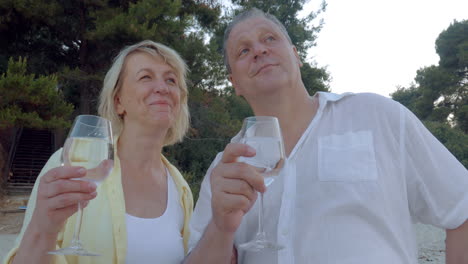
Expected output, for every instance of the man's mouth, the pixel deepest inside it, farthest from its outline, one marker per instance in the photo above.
(264, 67)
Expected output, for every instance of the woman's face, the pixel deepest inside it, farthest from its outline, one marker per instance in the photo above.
(150, 93)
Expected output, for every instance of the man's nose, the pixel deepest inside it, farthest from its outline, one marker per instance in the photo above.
(260, 50)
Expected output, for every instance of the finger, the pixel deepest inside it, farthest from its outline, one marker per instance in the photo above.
(239, 187)
(235, 150)
(65, 172)
(229, 203)
(66, 212)
(242, 171)
(68, 186)
(68, 199)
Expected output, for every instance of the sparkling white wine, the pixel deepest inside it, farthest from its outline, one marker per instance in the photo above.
(94, 154)
(269, 156)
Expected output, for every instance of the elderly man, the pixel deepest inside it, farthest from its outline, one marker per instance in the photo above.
(360, 170)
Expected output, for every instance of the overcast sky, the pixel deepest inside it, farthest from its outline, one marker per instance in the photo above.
(375, 45)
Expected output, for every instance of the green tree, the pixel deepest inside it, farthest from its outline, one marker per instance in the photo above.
(441, 91)
(439, 96)
(453, 139)
(78, 39)
(29, 101)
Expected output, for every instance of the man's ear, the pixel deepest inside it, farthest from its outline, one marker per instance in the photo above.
(234, 84)
(297, 56)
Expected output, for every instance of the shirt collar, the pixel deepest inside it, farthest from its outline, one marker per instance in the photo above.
(332, 97)
(324, 97)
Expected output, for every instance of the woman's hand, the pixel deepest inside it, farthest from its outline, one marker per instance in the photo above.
(58, 196)
(57, 199)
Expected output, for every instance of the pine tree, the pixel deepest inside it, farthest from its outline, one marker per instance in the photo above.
(31, 101)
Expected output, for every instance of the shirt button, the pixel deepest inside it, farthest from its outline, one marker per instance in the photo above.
(285, 232)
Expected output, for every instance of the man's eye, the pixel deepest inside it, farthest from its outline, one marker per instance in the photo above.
(171, 81)
(269, 39)
(145, 77)
(243, 51)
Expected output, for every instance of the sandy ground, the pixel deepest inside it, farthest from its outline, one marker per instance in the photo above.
(430, 239)
(11, 220)
(431, 242)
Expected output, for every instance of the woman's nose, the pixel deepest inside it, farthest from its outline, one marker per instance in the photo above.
(160, 86)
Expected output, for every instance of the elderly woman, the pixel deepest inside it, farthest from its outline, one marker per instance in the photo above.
(140, 213)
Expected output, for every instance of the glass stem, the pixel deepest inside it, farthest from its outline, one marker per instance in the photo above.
(261, 232)
(76, 235)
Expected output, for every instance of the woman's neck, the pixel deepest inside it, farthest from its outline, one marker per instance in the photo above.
(140, 150)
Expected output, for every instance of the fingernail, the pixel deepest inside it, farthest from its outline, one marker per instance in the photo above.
(250, 150)
(92, 185)
(82, 171)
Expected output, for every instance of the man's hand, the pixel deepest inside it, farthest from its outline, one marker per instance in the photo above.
(456, 245)
(234, 187)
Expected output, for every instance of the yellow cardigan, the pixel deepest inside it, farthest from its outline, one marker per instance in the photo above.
(103, 228)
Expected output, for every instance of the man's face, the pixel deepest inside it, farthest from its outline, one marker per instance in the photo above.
(261, 58)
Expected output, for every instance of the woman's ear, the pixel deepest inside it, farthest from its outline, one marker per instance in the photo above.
(119, 108)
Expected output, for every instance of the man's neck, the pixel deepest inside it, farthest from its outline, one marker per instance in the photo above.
(295, 111)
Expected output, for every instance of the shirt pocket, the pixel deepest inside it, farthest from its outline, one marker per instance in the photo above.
(348, 157)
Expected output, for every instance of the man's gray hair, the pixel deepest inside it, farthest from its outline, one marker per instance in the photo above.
(254, 12)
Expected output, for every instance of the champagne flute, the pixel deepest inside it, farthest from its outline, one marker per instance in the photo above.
(90, 145)
(264, 135)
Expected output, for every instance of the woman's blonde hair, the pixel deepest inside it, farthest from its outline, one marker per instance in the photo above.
(113, 84)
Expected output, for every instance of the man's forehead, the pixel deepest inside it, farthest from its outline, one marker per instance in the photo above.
(244, 28)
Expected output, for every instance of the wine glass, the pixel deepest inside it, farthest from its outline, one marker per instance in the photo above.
(264, 135)
(90, 145)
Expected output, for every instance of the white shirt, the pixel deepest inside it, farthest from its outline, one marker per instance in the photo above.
(157, 240)
(361, 174)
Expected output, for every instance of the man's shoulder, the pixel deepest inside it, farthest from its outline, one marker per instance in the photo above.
(366, 102)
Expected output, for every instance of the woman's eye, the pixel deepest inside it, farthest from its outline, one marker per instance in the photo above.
(171, 81)
(145, 77)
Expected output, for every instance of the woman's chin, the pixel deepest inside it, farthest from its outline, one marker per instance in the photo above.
(162, 121)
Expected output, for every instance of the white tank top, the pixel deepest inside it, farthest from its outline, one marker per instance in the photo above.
(157, 240)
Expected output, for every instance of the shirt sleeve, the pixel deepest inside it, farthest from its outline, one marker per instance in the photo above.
(54, 161)
(202, 214)
(437, 182)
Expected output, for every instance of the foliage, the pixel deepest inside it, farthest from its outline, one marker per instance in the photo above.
(454, 139)
(78, 39)
(29, 101)
(440, 94)
(75, 41)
